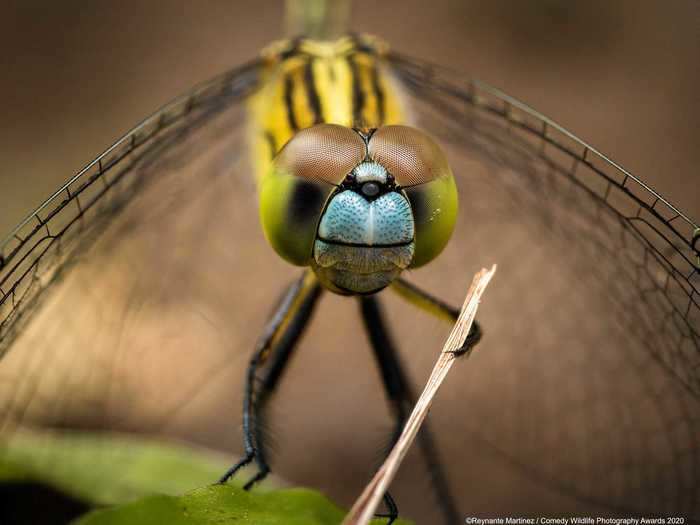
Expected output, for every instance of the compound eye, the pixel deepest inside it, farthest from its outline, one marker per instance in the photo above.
(409, 154)
(322, 153)
(420, 168)
(301, 178)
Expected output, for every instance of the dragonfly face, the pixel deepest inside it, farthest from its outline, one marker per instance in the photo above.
(359, 206)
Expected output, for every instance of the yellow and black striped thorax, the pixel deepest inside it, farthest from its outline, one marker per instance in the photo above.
(307, 82)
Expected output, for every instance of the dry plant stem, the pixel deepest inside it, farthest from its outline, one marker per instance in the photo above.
(366, 505)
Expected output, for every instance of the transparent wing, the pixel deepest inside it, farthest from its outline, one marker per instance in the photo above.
(89, 280)
(585, 393)
(36, 249)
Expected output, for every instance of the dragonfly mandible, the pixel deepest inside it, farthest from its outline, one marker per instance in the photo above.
(132, 298)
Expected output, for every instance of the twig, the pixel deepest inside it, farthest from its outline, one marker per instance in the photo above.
(366, 505)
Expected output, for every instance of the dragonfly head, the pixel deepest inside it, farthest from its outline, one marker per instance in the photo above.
(359, 207)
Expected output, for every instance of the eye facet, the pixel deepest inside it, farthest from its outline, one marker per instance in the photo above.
(409, 154)
(301, 178)
(324, 153)
(420, 167)
(290, 208)
(435, 206)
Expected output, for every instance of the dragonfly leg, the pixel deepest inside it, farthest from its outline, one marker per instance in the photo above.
(438, 308)
(398, 390)
(393, 511)
(280, 336)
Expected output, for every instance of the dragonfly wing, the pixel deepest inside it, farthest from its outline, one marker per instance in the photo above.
(114, 292)
(585, 391)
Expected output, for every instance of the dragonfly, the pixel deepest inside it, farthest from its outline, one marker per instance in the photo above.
(133, 297)
(356, 196)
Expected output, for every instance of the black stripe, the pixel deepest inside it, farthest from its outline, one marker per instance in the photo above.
(292, 50)
(378, 92)
(270, 138)
(358, 97)
(348, 291)
(288, 87)
(311, 93)
(360, 45)
(358, 245)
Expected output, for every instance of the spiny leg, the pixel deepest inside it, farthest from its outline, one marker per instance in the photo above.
(398, 391)
(438, 308)
(283, 347)
(277, 342)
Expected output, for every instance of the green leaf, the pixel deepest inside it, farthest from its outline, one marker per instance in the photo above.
(220, 504)
(144, 479)
(109, 469)
(104, 469)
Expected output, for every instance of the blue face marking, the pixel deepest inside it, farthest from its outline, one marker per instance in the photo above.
(352, 219)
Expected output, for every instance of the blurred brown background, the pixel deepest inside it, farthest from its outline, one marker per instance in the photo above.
(622, 75)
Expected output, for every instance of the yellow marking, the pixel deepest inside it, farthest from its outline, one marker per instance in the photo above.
(333, 81)
(307, 287)
(300, 103)
(370, 112)
(396, 110)
(421, 302)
